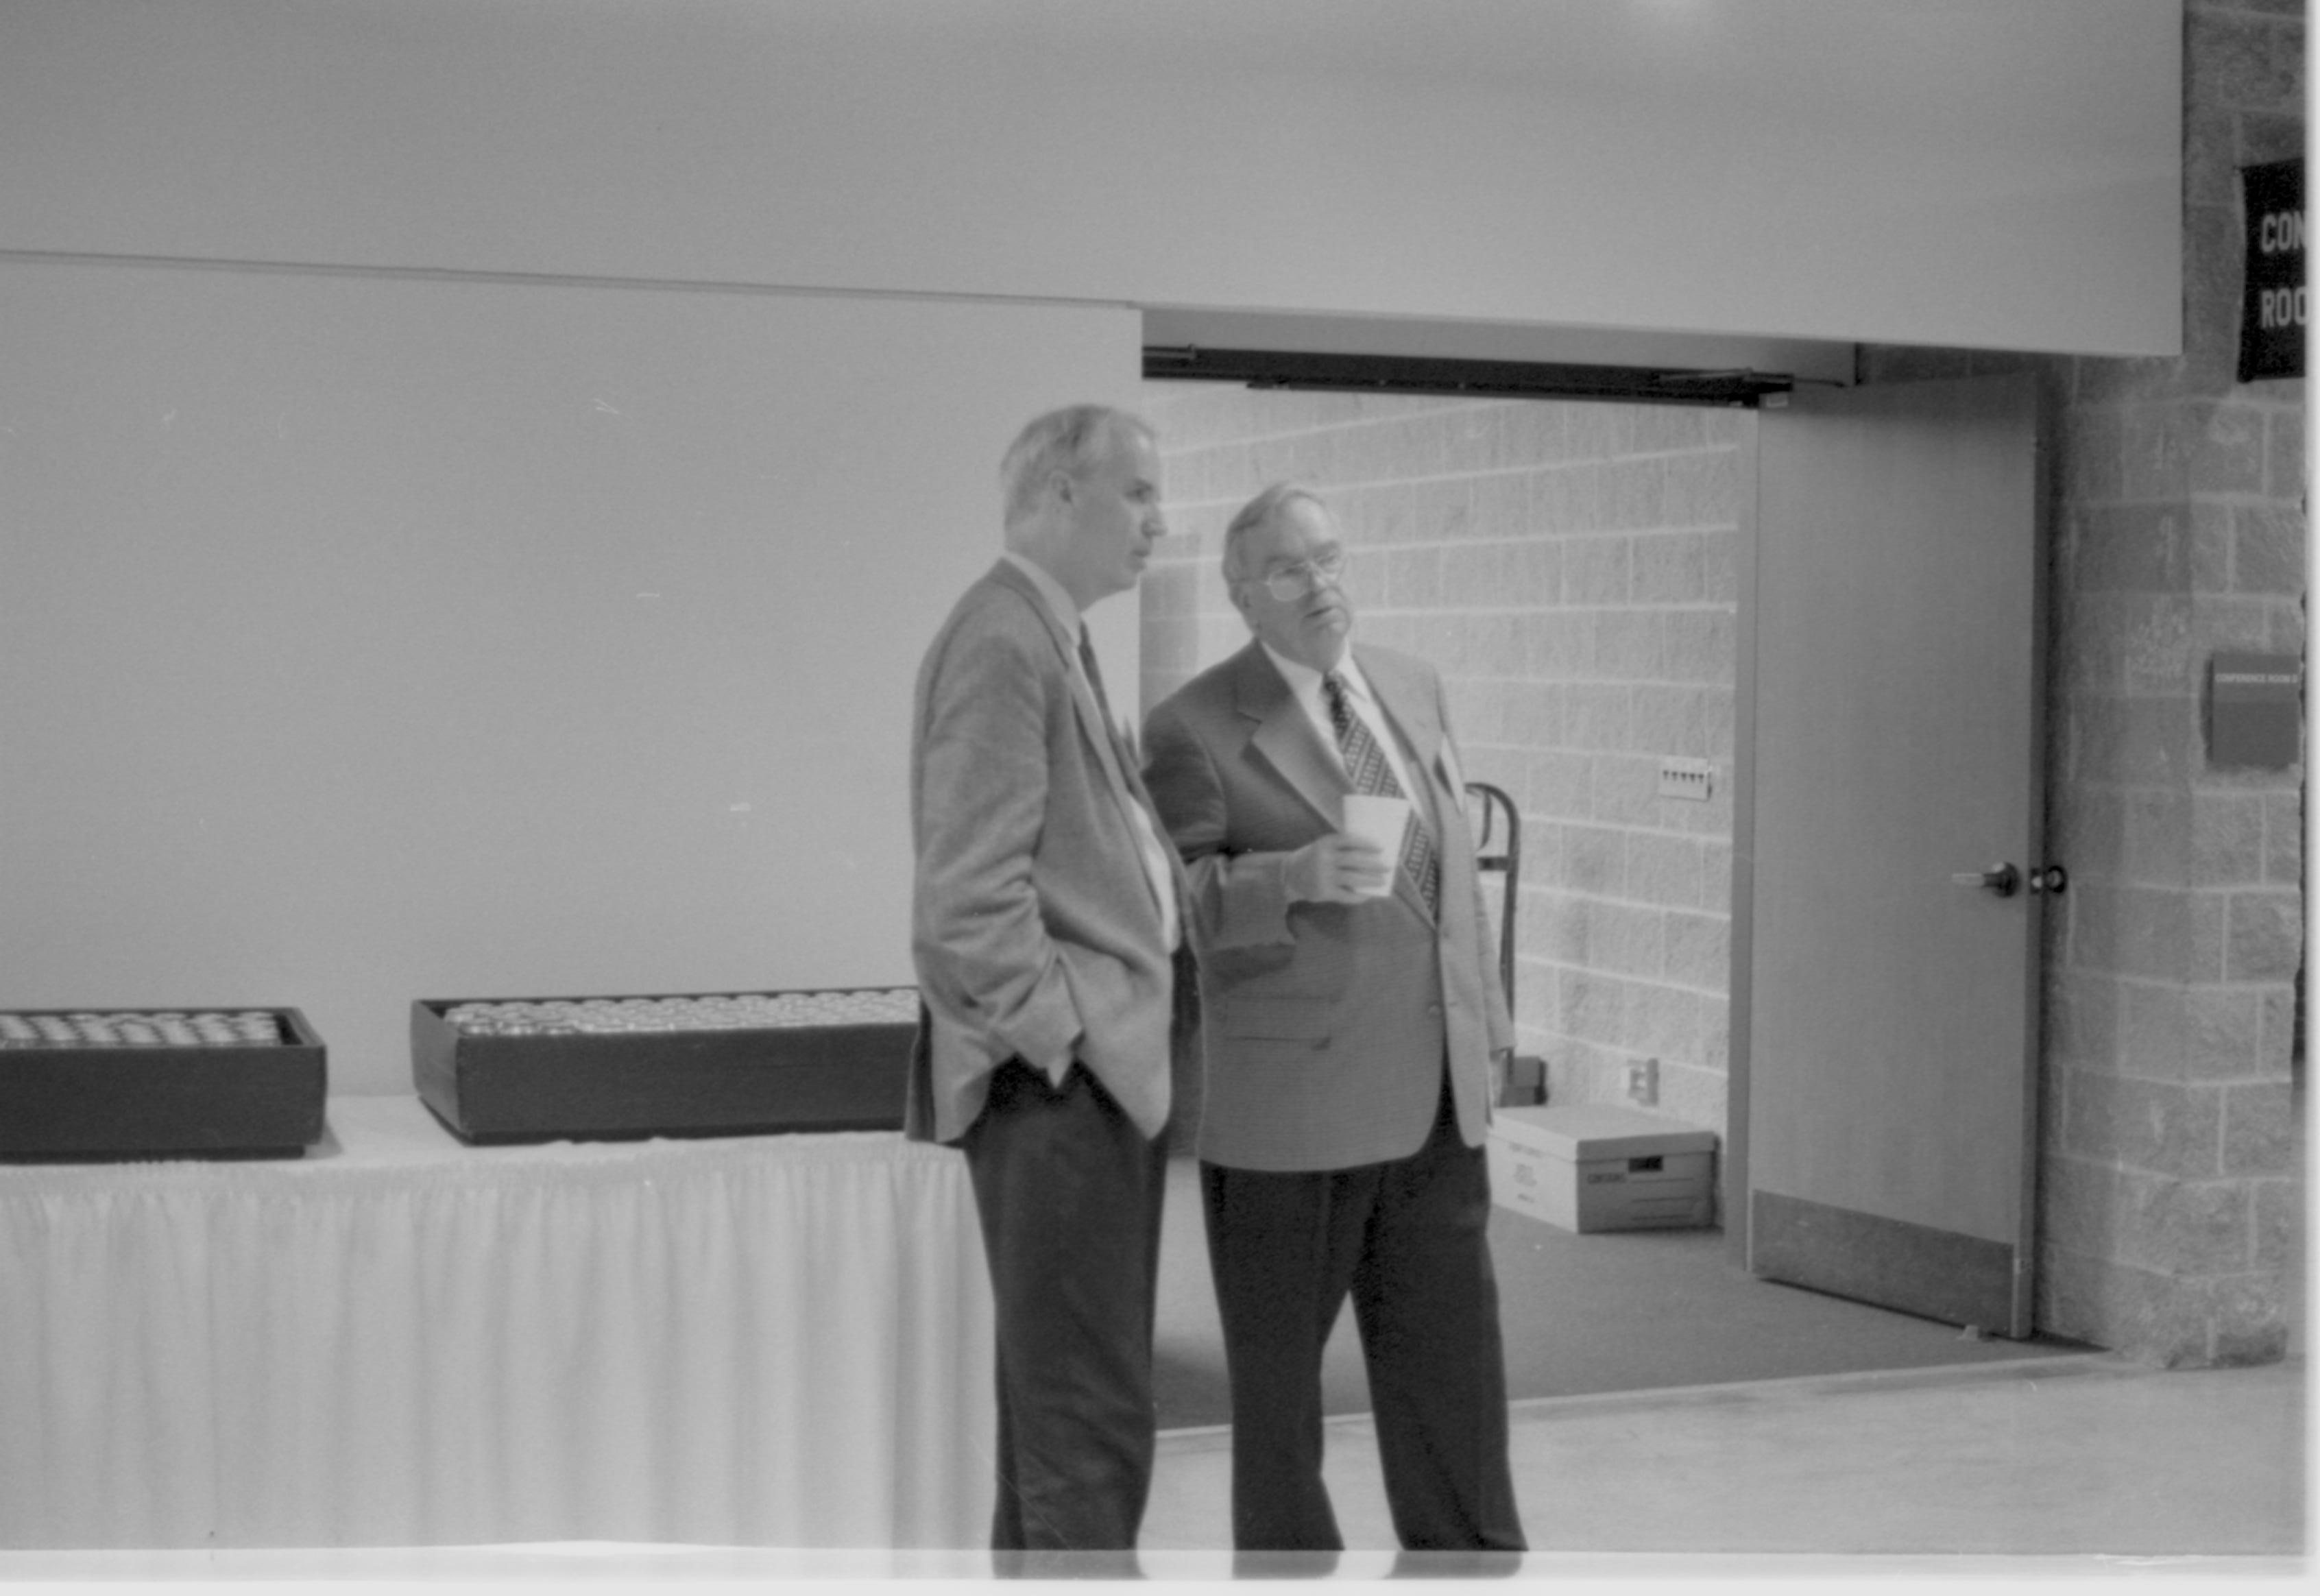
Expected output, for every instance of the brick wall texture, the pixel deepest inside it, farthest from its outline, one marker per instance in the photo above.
(1572, 569)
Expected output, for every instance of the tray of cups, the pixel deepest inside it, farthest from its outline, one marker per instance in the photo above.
(124, 1083)
(705, 1063)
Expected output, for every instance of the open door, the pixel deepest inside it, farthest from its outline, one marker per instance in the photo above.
(1888, 878)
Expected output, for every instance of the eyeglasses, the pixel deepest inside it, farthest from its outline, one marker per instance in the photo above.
(1298, 580)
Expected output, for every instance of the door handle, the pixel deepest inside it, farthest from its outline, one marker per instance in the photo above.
(2001, 879)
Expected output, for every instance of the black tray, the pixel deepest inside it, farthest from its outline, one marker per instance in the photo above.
(555, 1086)
(101, 1102)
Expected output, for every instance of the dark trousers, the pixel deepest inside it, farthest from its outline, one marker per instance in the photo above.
(1068, 1193)
(1408, 1241)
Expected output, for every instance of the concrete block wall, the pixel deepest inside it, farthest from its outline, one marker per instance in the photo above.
(2171, 1200)
(1571, 570)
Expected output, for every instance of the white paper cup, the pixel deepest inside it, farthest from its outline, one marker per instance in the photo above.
(1379, 821)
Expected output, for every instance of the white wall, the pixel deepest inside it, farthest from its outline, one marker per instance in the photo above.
(364, 640)
(1967, 173)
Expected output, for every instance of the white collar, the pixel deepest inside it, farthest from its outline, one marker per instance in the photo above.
(1305, 682)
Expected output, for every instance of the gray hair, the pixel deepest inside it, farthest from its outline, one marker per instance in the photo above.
(1257, 514)
(1065, 440)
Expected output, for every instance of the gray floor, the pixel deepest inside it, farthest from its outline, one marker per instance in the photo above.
(1583, 1314)
(2084, 1466)
(2049, 1465)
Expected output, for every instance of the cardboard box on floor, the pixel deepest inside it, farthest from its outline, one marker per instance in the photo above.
(1600, 1166)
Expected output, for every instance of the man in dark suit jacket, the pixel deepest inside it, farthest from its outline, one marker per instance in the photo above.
(1353, 1030)
(1048, 921)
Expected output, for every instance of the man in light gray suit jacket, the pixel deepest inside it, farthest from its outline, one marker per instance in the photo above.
(1355, 1029)
(1047, 922)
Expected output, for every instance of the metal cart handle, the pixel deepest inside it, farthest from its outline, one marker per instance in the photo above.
(1498, 812)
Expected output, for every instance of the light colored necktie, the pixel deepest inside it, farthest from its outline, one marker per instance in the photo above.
(1366, 767)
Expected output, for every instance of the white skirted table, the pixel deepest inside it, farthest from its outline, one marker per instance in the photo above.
(400, 1340)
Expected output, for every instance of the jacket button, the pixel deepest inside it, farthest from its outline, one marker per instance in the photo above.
(1434, 1008)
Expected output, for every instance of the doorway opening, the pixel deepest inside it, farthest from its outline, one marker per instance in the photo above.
(1571, 566)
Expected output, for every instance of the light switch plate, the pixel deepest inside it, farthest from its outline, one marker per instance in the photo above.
(1644, 1081)
(1687, 778)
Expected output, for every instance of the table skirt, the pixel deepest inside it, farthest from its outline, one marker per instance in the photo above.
(400, 1340)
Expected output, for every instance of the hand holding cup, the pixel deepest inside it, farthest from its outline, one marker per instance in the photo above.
(1357, 863)
(1338, 868)
(1380, 821)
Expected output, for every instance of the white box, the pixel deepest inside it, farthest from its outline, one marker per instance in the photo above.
(1600, 1166)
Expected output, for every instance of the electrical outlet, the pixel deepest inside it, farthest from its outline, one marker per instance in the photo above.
(1687, 778)
(1644, 1081)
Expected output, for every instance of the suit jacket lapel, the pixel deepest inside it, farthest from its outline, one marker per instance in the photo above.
(1067, 649)
(1127, 782)
(1284, 735)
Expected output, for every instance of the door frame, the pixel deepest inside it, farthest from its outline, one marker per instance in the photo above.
(1740, 995)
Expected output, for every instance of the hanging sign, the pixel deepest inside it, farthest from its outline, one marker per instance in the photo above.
(2273, 310)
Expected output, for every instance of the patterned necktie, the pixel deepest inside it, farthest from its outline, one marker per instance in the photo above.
(1365, 765)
